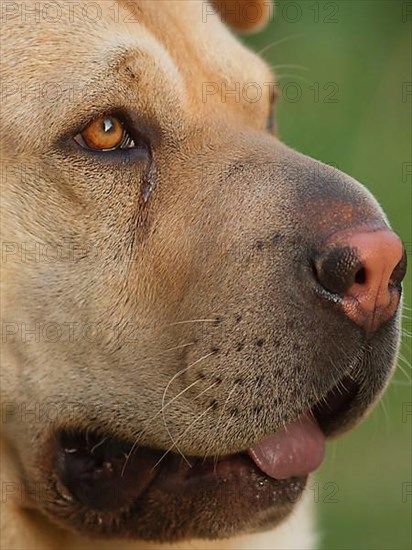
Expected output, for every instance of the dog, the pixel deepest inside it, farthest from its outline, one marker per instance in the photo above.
(189, 307)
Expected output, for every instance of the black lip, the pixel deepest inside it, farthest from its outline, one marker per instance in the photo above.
(99, 471)
(331, 410)
(104, 486)
(106, 474)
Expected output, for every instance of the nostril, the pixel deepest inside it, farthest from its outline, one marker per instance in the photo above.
(360, 277)
(338, 268)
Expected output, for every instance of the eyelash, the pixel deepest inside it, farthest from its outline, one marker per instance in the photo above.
(127, 141)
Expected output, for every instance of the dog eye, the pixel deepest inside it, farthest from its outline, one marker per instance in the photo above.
(105, 133)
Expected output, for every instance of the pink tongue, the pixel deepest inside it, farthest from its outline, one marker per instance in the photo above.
(296, 450)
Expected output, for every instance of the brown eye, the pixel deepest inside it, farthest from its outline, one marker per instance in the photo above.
(105, 133)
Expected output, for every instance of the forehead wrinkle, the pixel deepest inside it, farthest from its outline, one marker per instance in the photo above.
(111, 52)
(202, 51)
(145, 56)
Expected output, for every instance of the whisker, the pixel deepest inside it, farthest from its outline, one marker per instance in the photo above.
(179, 347)
(404, 360)
(221, 417)
(228, 425)
(204, 391)
(128, 455)
(224, 406)
(406, 375)
(179, 373)
(395, 382)
(143, 366)
(97, 445)
(162, 409)
(177, 396)
(180, 437)
(280, 41)
(385, 414)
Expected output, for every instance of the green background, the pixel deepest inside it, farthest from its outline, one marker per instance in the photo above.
(364, 49)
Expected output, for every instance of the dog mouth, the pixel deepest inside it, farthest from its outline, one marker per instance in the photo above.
(103, 473)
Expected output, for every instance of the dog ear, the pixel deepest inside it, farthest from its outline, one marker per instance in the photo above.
(245, 15)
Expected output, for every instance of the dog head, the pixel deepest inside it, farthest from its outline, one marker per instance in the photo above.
(191, 305)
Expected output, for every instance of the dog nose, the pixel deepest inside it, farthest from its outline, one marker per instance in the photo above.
(365, 269)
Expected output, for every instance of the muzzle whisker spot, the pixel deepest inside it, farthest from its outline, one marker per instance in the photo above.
(218, 424)
(179, 373)
(164, 406)
(174, 446)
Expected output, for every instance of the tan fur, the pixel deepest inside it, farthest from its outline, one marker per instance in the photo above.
(178, 278)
